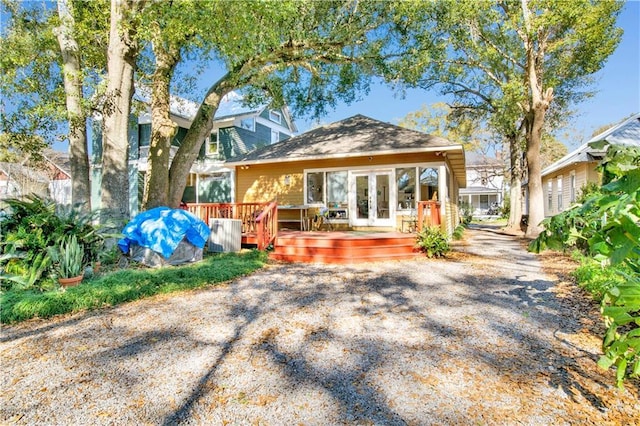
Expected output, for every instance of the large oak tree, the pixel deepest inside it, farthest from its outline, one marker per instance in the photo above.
(52, 58)
(306, 54)
(122, 55)
(520, 65)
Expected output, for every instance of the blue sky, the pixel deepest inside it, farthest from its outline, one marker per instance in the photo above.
(618, 86)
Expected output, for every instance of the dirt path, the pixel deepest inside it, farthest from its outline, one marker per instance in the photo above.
(482, 338)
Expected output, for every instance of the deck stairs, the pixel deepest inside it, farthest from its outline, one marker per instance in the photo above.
(343, 247)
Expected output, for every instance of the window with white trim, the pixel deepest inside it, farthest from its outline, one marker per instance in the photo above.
(213, 146)
(406, 187)
(549, 196)
(275, 136)
(275, 116)
(330, 188)
(572, 187)
(559, 189)
(337, 189)
(428, 181)
(315, 188)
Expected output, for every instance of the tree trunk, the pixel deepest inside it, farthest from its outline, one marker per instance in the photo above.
(515, 183)
(188, 152)
(79, 158)
(121, 56)
(199, 131)
(534, 169)
(156, 188)
(536, 110)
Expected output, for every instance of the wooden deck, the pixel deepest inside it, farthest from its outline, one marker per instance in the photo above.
(343, 247)
(260, 229)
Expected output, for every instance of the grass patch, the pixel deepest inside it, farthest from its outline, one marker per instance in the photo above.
(127, 285)
(595, 278)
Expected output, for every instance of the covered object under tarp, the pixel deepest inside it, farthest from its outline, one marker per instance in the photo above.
(164, 236)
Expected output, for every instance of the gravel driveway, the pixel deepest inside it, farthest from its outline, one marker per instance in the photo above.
(480, 338)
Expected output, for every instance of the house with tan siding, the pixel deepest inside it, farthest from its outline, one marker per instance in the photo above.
(359, 172)
(564, 180)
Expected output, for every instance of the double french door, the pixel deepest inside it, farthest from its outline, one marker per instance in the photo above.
(371, 205)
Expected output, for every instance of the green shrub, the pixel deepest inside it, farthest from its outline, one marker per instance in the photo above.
(466, 211)
(30, 228)
(110, 256)
(570, 229)
(505, 210)
(68, 257)
(433, 242)
(458, 233)
(596, 278)
(587, 191)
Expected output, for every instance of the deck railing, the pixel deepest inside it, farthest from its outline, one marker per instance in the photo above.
(257, 218)
(428, 214)
(267, 225)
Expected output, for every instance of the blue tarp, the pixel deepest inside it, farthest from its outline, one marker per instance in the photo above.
(161, 230)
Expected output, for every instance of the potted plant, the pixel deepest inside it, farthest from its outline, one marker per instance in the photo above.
(68, 257)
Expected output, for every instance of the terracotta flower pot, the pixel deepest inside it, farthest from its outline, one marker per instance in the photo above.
(70, 282)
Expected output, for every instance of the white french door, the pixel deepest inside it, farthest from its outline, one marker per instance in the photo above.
(371, 198)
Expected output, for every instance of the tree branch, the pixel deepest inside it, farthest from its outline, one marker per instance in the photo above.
(498, 49)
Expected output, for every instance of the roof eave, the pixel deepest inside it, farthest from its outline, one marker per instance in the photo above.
(348, 155)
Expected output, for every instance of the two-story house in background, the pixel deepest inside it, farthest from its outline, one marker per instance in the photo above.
(237, 129)
(485, 185)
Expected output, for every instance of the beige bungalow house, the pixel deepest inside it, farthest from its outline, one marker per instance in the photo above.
(360, 172)
(563, 180)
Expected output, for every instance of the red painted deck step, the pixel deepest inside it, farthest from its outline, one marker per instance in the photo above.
(343, 247)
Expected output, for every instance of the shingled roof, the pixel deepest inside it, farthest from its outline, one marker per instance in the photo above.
(625, 133)
(353, 137)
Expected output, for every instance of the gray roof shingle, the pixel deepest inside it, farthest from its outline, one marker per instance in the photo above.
(625, 133)
(357, 135)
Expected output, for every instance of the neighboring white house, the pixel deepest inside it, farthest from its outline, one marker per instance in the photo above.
(60, 177)
(17, 181)
(237, 129)
(563, 180)
(50, 178)
(485, 185)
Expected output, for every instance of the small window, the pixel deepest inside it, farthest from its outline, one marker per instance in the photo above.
(406, 187)
(213, 146)
(275, 136)
(550, 196)
(275, 117)
(248, 123)
(315, 193)
(144, 135)
(559, 189)
(337, 189)
(572, 188)
(428, 181)
(484, 201)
